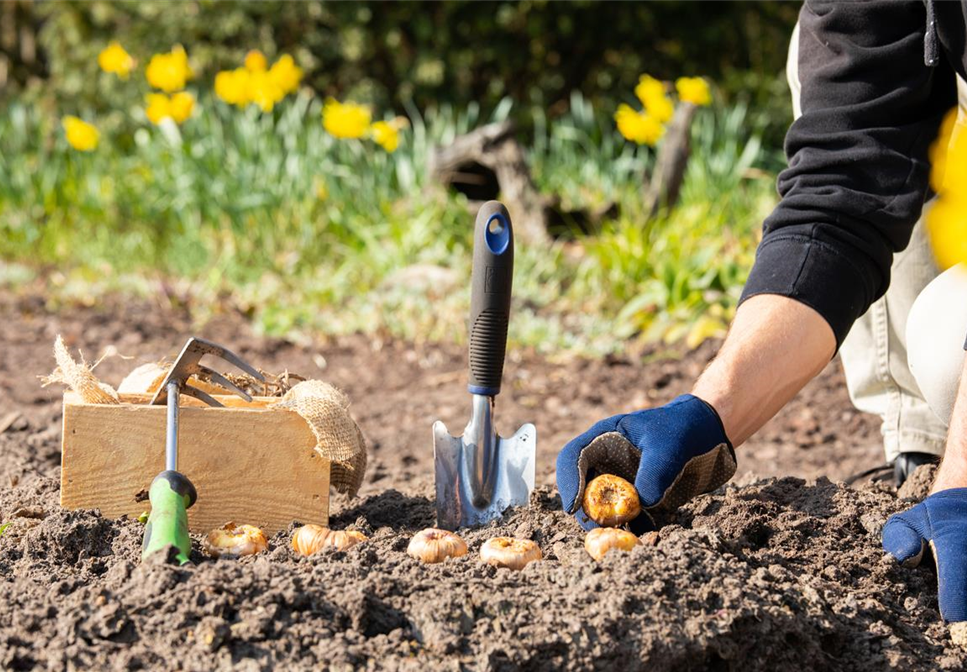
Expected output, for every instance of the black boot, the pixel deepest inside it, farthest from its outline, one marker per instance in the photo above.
(907, 463)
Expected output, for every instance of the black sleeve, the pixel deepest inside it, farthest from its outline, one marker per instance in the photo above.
(858, 169)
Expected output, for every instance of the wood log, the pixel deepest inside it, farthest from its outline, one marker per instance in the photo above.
(495, 148)
(249, 463)
(663, 189)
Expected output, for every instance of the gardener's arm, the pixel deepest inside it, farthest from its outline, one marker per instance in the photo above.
(855, 186)
(775, 346)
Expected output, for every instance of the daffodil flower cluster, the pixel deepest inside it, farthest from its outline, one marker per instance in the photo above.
(354, 121)
(647, 126)
(946, 217)
(170, 73)
(255, 83)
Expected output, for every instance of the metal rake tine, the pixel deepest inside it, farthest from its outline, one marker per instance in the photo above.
(203, 396)
(236, 361)
(219, 379)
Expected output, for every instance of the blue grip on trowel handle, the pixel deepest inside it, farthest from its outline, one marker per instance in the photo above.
(490, 290)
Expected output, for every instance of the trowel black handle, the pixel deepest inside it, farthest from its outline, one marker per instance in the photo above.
(493, 276)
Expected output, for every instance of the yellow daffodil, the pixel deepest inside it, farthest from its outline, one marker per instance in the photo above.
(345, 120)
(169, 72)
(263, 91)
(81, 135)
(113, 58)
(286, 74)
(386, 134)
(255, 61)
(693, 90)
(182, 104)
(639, 127)
(232, 86)
(651, 93)
(157, 108)
(946, 217)
(178, 107)
(649, 88)
(660, 108)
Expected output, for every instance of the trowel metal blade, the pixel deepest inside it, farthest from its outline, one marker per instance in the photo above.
(515, 464)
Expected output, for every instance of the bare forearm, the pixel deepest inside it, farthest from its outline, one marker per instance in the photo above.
(774, 347)
(953, 469)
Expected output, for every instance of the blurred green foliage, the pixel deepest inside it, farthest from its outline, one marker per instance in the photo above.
(309, 234)
(385, 53)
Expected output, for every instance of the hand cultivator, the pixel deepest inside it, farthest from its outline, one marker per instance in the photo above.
(171, 493)
(480, 474)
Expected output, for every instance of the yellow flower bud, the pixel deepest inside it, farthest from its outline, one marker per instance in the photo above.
(286, 74)
(255, 61)
(386, 135)
(232, 86)
(169, 72)
(638, 127)
(81, 135)
(263, 91)
(178, 107)
(113, 58)
(345, 120)
(649, 88)
(693, 90)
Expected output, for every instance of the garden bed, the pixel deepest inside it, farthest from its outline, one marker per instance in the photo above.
(763, 573)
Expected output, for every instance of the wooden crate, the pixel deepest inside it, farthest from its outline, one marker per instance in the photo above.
(249, 463)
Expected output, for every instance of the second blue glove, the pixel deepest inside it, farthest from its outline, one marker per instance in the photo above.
(671, 454)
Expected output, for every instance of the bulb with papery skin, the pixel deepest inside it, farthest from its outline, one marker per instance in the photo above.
(602, 540)
(610, 501)
(310, 539)
(510, 553)
(432, 545)
(235, 541)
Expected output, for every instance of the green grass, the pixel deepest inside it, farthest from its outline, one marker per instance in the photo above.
(309, 234)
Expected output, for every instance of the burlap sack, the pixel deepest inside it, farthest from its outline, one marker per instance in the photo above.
(79, 377)
(338, 438)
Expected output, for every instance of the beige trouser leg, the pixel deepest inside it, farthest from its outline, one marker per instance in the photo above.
(875, 353)
(938, 324)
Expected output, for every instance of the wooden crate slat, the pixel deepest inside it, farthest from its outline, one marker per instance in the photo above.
(251, 465)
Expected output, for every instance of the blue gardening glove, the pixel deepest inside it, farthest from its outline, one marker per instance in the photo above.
(941, 521)
(671, 454)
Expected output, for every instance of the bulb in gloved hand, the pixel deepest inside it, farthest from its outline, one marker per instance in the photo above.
(235, 541)
(310, 539)
(603, 539)
(432, 545)
(610, 501)
(510, 553)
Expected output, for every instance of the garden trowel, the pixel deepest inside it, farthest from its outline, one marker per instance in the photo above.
(171, 493)
(480, 474)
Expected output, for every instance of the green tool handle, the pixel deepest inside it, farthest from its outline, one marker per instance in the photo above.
(171, 495)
